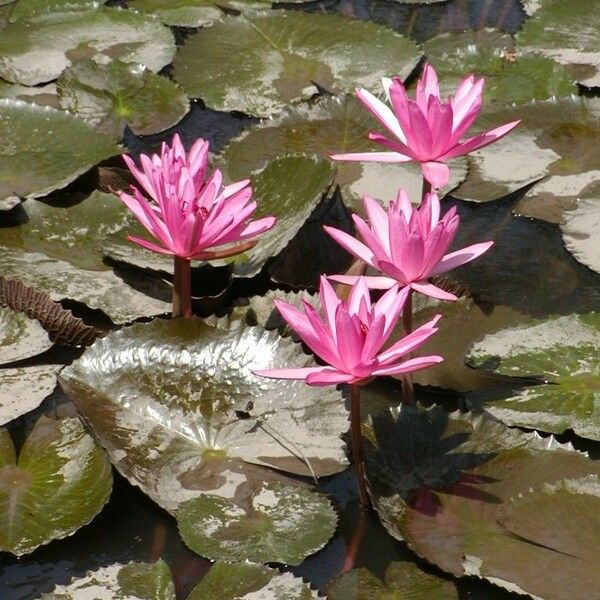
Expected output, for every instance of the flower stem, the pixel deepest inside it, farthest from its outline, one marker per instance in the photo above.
(357, 447)
(426, 189)
(182, 288)
(353, 546)
(408, 391)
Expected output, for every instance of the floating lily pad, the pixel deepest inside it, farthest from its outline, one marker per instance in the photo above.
(20, 336)
(44, 95)
(57, 251)
(32, 9)
(180, 13)
(580, 229)
(133, 581)
(338, 124)
(113, 95)
(510, 74)
(231, 581)
(567, 32)
(162, 398)
(441, 481)
(59, 483)
(280, 523)
(38, 51)
(402, 581)
(561, 351)
(44, 149)
(22, 389)
(259, 64)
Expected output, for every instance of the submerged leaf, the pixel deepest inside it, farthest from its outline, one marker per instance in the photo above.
(59, 483)
(259, 64)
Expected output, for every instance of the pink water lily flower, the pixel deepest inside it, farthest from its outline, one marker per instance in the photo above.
(428, 129)
(186, 211)
(408, 245)
(349, 336)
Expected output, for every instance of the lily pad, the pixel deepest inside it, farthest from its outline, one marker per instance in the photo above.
(259, 64)
(511, 75)
(566, 32)
(402, 581)
(167, 397)
(339, 124)
(44, 149)
(22, 389)
(57, 252)
(279, 524)
(232, 581)
(44, 95)
(563, 352)
(38, 51)
(118, 94)
(32, 9)
(59, 483)
(133, 581)
(580, 229)
(180, 13)
(20, 336)
(441, 482)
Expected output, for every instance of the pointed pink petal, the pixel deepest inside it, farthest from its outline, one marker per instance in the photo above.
(437, 173)
(358, 295)
(149, 245)
(414, 364)
(302, 373)
(381, 112)
(384, 157)
(460, 257)
(330, 303)
(432, 290)
(374, 283)
(397, 147)
(479, 141)
(378, 220)
(349, 340)
(329, 377)
(410, 342)
(351, 244)
(257, 227)
(427, 86)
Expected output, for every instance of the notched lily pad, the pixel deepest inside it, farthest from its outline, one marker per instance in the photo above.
(132, 581)
(339, 124)
(441, 481)
(118, 94)
(38, 51)
(44, 149)
(59, 483)
(402, 581)
(563, 353)
(259, 64)
(166, 398)
(580, 229)
(278, 523)
(231, 581)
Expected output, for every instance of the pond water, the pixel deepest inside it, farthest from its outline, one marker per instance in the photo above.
(529, 275)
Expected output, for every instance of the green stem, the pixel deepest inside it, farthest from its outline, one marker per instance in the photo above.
(357, 447)
(182, 288)
(408, 390)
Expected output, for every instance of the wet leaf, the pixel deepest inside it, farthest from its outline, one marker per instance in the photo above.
(180, 13)
(561, 351)
(38, 51)
(566, 32)
(44, 149)
(511, 75)
(44, 95)
(259, 64)
(32, 9)
(338, 124)
(162, 398)
(59, 483)
(133, 581)
(231, 581)
(278, 524)
(118, 94)
(402, 581)
(580, 229)
(20, 336)
(441, 481)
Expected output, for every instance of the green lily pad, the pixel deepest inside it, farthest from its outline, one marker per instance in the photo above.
(59, 483)
(442, 481)
(162, 398)
(580, 232)
(510, 75)
(20, 336)
(44, 95)
(180, 13)
(566, 32)
(563, 352)
(133, 581)
(57, 251)
(339, 124)
(38, 51)
(402, 581)
(22, 389)
(43, 149)
(259, 64)
(232, 581)
(113, 95)
(32, 9)
(280, 523)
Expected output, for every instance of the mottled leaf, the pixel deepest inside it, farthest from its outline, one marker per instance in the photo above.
(32, 9)
(44, 95)
(20, 336)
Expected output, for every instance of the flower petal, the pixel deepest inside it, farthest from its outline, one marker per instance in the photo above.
(460, 257)
(300, 373)
(408, 366)
(373, 282)
(432, 290)
(382, 112)
(437, 173)
(384, 157)
(351, 244)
